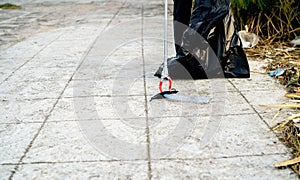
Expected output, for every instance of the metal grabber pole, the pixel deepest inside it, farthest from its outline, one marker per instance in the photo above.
(165, 73)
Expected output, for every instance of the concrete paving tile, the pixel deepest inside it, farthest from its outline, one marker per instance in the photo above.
(120, 57)
(87, 73)
(260, 167)
(76, 37)
(113, 61)
(56, 49)
(192, 87)
(123, 139)
(272, 118)
(57, 52)
(45, 38)
(154, 49)
(154, 58)
(220, 104)
(214, 136)
(4, 75)
(131, 30)
(168, 134)
(21, 50)
(258, 66)
(30, 47)
(33, 89)
(215, 85)
(158, 34)
(119, 54)
(66, 109)
(15, 138)
(108, 87)
(104, 46)
(11, 64)
(60, 142)
(122, 107)
(85, 108)
(71, 45)
(112, 71)
(129, 47)
(125, 19)
(93, 170)
(48, 63)
(81, 32)
(259, 97)
(88, 141)
(164, 108)
(76, 44)
(105, 72)
(5, 171)
(59, 49)
(257, 82)
(16, 111)
(41, 74)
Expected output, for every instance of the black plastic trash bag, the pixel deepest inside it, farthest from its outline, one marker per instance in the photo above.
(211, 47)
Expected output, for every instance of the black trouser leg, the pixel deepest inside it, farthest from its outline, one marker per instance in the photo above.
(182, 14)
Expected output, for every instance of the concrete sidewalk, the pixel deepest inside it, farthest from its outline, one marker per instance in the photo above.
(75, 104)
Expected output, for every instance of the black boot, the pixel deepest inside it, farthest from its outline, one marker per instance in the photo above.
(183, 67)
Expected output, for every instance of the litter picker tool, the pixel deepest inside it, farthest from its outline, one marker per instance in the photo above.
(165, 73)
(171, 94)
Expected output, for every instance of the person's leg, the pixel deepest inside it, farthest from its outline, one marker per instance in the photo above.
(181, 14)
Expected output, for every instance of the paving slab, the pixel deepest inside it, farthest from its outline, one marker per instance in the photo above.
(257, 82)
(38, 89)
(85, 170)
(15, 139)
(231, 136)
(105, 87)
(5, 171)
(273, 119)
(260, 97)
(260, 167)
(57, 145)
(24, 111)
(102, 107)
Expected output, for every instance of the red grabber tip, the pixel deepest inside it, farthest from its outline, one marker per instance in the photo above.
(161, 83)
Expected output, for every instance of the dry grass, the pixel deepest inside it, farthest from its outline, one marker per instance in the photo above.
(272, 20)
(280, 55)
(290, 136)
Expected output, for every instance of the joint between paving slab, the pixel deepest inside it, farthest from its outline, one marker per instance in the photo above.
(220, 157)
(146, 99)
(144, 160)
(120, 118)
(71, 162)
(68, 97)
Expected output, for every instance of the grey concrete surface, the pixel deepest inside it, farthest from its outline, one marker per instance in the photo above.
(76, 78)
